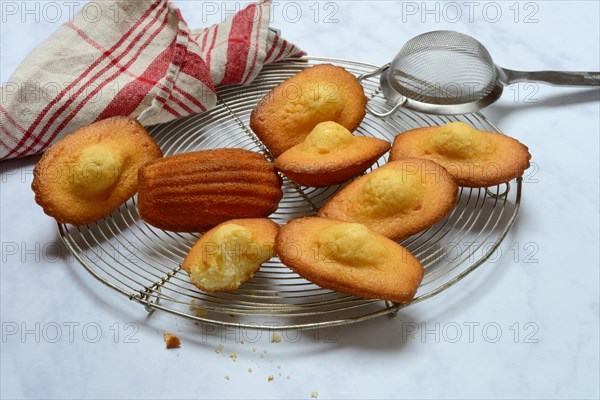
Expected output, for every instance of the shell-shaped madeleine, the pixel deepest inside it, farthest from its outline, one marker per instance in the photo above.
(475, 158)
(193, 192)
(349, 258)
(396, 200)
(287, 114)
(330, 154)
(230, 254)
(89, 173)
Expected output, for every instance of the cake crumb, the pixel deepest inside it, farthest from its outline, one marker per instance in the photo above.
(261, 356)
(270, 378)
(242, 341)
(219, 348)
(226, 377)
(280, 374)
(254, 349)
(289, 377)
(276, 338)
(314, 395)
(279, 367)
(196, 309)
(233, 356)
(171, 341)
(250, 370)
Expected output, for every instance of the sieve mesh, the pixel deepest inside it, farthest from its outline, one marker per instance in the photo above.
(443, 67)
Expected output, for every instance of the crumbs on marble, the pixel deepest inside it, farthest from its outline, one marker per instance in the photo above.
(249, 370)
(226, 377)
(196, 309)
(171, 341)
(276, 338)
(219, 348)
(270, 378)
(314, 395)
(233, 355)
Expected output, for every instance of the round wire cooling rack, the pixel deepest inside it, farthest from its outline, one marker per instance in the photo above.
(144, 263)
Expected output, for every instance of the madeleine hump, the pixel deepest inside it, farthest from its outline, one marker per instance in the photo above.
(193, 192)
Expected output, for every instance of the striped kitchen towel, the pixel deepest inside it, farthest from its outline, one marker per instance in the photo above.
(135, 58)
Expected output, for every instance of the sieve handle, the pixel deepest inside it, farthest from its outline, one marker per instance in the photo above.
(399, 101)
(559, 78)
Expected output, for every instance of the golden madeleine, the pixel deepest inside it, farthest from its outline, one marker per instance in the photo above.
(289, 112)
(330, 154)
(397, 200)
(475, 158)
(230, 253)
(350, 258)
(91, 172)
(193, 192)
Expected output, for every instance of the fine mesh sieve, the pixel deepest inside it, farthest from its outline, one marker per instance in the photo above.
(447, 72)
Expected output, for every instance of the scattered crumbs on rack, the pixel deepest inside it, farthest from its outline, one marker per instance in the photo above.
(226, 377)
(270, 378)
(254, 349)
(196, 309)
(276, 338)
(233, 356)
(250, 370)
(171, 341)
(314, 395)
(219, 348)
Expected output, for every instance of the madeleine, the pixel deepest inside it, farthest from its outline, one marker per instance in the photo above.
(475, 158)
(349, 258)
(330, 154)
(397, 200)
(289, 112)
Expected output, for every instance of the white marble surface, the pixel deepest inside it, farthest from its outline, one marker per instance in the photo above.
(557, 295)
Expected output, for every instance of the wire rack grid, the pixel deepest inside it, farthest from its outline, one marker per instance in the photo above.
(144, 263)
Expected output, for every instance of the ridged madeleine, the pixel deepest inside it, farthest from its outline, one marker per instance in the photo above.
(89, 173)
(349, 258)
(287, 114)
(193, 192)
(397, 200)
(475, 158)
